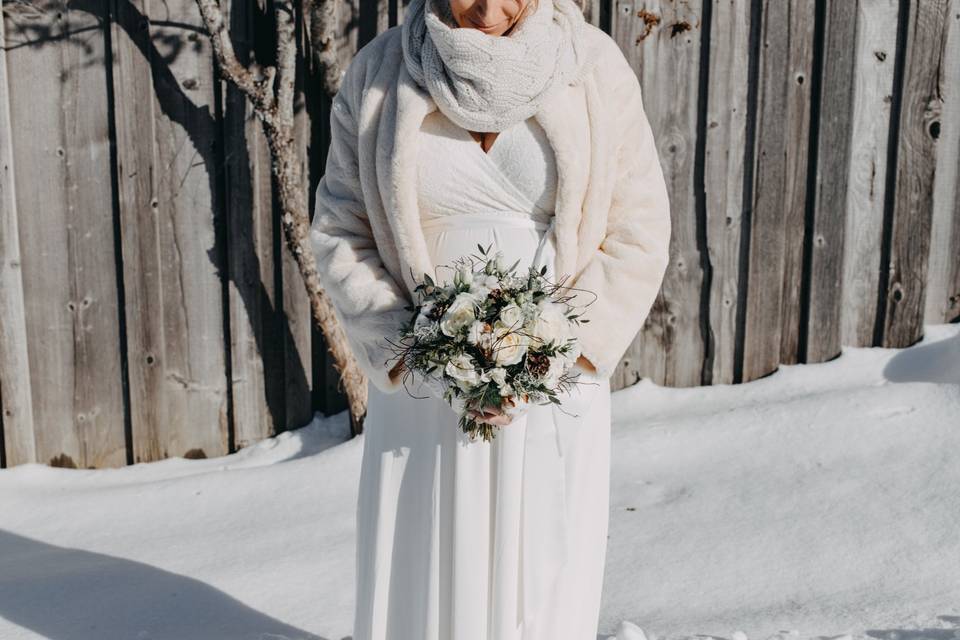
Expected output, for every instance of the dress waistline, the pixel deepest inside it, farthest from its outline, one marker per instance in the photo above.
(481, 219)
(484, 219)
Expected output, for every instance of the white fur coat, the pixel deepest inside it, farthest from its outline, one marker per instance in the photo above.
(612, 210)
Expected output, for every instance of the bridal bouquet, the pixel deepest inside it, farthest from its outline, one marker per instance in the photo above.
(491, 337)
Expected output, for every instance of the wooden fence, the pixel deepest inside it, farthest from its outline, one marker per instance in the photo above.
(148, 307)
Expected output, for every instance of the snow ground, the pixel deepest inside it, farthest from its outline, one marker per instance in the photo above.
(820, 501)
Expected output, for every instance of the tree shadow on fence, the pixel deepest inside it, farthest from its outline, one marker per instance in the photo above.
(62, 593)
(284, 377)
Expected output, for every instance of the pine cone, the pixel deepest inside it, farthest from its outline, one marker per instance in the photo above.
(538, 364)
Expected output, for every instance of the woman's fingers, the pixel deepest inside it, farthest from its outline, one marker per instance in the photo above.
(501, 420)
(492, 415)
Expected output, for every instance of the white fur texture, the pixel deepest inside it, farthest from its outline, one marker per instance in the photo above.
(612, 211)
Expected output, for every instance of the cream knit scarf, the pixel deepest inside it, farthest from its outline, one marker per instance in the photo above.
(487, 83)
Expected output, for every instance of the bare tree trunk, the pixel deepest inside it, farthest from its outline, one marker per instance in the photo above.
(275, 110)
(324, 18)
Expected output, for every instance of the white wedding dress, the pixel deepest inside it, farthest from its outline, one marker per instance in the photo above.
(501, 540)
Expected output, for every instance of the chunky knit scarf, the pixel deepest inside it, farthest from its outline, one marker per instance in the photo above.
(487, 83)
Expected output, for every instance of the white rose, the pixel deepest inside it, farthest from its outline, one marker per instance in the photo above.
(462, 369)
(510, 345)
(460, 313)
(512, 316)
(551, 324)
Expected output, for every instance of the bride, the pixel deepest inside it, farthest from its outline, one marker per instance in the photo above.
(513, 123)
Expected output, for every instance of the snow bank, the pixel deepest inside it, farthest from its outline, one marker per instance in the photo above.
(819, 501)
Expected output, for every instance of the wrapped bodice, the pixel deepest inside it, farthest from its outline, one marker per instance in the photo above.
(518, 175)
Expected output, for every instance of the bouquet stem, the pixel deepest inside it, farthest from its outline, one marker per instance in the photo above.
(473, 429)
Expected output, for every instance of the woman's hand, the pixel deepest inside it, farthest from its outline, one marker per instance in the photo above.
(586, 364)
(395, 372)
(496, 415)
(492, 415)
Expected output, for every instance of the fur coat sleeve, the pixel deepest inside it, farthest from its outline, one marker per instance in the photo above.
(627, 269)
(369, 302)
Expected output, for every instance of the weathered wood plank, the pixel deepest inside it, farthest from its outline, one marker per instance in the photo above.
(828, 227)
(60, 125)
(726, 125)
(166, 143)
(662, 42)
(867, 170)
(257, 381)
(943, 284)
(798, 88)
(918, 128)
(779, 198)
(16, 402)
(766, 240)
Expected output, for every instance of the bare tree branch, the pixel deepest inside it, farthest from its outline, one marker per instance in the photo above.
(286, 59)
(258, 90)
(276, 112)
(324, 21)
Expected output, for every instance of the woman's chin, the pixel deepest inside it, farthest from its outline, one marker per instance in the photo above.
(495, 30)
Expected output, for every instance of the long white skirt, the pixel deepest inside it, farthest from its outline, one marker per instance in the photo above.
(501, 540)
